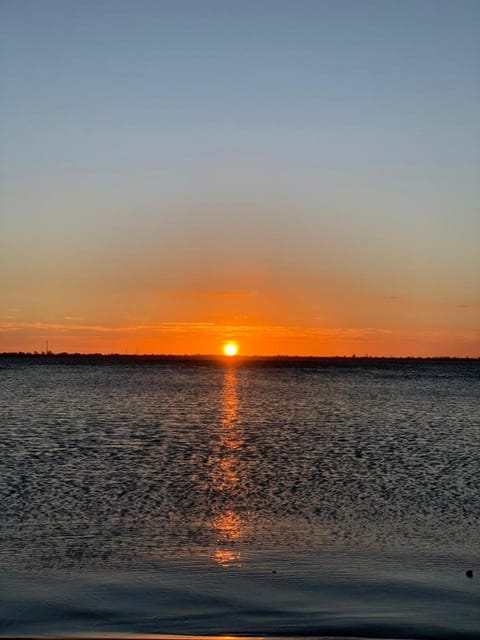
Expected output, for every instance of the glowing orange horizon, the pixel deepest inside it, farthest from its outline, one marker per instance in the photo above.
(202, 338)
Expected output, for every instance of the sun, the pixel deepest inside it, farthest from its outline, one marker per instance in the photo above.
(230, 349)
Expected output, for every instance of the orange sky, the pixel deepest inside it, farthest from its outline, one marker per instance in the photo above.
(296, 293)
(400, 335)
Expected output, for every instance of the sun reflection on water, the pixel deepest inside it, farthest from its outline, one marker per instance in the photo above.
(228, 524)
(227, 558)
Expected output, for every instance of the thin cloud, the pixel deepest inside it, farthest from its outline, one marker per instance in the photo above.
(206, 294)
(236, 331)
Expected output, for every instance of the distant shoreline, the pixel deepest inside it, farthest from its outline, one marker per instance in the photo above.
(237, 360)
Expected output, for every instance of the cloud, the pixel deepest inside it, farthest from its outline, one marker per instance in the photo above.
(206, 294)
(98, 328)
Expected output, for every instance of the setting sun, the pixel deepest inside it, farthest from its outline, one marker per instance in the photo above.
(230, 348)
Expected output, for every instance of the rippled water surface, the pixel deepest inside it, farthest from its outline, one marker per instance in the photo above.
(258, 498)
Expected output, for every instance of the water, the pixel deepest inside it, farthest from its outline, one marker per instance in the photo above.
(303, 499)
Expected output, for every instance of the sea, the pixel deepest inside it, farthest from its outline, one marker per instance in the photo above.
(240, 497)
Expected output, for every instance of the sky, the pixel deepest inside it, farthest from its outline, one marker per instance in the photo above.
(299, 176)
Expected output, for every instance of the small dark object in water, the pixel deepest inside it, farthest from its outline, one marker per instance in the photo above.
(358, 453)
(469, 573)
(274, 571)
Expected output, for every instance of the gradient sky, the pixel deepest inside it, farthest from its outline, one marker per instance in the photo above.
(302, 176)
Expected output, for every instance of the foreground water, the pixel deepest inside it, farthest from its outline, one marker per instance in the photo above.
(303, 498)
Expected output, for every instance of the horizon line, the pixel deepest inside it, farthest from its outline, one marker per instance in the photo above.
(221, 356)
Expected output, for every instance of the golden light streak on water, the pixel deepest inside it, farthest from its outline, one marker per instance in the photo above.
(228, 524)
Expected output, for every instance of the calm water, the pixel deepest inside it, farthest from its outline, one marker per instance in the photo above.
(314, 499)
